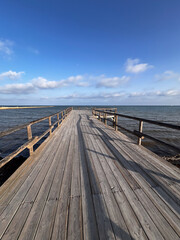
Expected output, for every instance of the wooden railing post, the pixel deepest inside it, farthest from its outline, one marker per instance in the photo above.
(105, 118)
(140, 130)
(115, 120)
(58, 119)
(50, 131)
(29, 133)
(62, 116)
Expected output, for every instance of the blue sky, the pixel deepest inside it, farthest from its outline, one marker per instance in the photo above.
(90, 52)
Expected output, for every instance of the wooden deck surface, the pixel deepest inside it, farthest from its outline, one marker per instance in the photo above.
(90, 182)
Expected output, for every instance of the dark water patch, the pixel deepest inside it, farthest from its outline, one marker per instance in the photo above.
(7, 170)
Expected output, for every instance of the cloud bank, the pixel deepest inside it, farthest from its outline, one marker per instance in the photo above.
(134, 66)
(72, 81)
(112, 82)
(168, 75)
(11, 75)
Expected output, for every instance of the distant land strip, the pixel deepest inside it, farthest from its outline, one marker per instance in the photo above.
(4, 108)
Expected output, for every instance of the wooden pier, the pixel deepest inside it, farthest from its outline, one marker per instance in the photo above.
(88, 181)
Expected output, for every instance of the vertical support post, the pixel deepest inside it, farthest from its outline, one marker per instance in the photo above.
(29, 133)
(105, 118)
(50, 131)
(115, 119)
(140, 130)
(61, 116)
(58, 119)
(99, 116)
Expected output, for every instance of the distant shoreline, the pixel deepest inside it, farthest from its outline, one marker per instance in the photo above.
(5, 108)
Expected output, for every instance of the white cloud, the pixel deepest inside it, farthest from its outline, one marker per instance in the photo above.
(158, 93)
(43, 83)
(11, 75)
(112, 82)
(6, 47)
(74, 79)
(168, 75)
(93, 96)
(38, 83)
(83, 84)
(18, 88)
(134, 66)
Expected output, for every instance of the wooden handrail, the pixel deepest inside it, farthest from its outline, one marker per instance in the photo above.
(17, 128)
(33, 140)
(139, 133)
(143, 119)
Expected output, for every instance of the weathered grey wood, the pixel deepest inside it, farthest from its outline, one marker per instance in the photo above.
(61, 220)
(12, 207)
(58, 119)
(142, 163)
(103, 219)
(163, 208)
(118, 224)
(90, 182)
(140, 130)
(40, 211)
(33, 191)
(29, 133)
(145, 120)
(159, 220)
(132, 222)
(88, 211)
(46, 223)
(50, 125)
(21, 174)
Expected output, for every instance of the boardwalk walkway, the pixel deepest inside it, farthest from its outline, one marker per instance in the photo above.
(90, 182)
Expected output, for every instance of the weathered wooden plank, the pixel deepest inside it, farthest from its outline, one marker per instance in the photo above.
(90, 230)
(164, 182)
(39, 188)
(117, 221)
(61, 219)
(162, 224)
(30, 186)
(167, 213)
(131, 220)
(90, 183)
(46, 201)
(21, 173)
(103, 220)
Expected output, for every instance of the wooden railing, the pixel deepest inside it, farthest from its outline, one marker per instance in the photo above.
(112, 116)
(33, 140)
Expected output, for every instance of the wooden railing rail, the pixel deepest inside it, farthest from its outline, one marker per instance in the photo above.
(114, 119)
(33, 140)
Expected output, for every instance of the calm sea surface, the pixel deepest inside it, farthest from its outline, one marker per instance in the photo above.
(168, 114)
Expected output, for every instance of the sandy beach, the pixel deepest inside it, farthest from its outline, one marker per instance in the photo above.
(5, 108)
